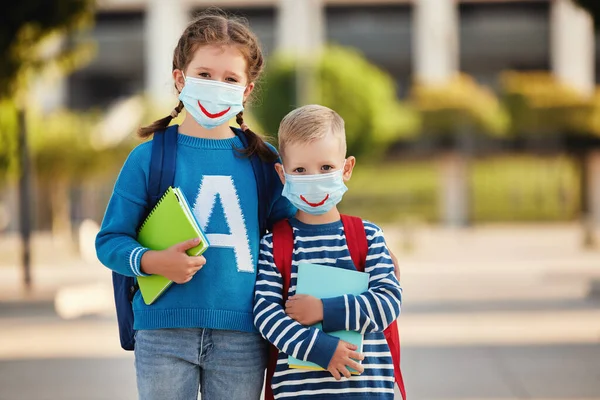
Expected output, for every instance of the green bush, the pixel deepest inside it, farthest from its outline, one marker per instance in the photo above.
(345, 81)
(8, 141)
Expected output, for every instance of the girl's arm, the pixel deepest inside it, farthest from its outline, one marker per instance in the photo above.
(116, 244)
(375, 309)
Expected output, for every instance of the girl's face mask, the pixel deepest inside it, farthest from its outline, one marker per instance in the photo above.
(315, 194)
(211, 103)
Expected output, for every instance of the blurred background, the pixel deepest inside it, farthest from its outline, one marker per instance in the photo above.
(476, 125)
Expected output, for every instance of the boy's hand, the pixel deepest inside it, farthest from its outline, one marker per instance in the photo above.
(343, 358)
(173, 263)
(305, 309)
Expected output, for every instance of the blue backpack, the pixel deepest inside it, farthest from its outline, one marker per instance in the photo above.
(161, 176)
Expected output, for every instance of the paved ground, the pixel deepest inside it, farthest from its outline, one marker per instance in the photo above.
(496, 313)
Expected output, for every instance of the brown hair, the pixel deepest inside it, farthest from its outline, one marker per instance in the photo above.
(309, 123)
(216, 28)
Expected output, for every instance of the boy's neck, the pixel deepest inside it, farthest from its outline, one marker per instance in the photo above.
(190, 127)
(332, 215)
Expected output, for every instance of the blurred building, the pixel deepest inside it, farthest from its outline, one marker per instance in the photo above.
(426, 38)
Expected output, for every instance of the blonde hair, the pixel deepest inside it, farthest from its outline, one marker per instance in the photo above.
(309, 123)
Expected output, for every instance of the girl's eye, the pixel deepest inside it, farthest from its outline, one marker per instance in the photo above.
(300, 170)
(327, 167)
(232, 80)
(204, 74)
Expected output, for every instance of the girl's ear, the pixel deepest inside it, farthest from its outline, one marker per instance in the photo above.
(179, 79)
(348, 168)
(248, 90)
(279, 169)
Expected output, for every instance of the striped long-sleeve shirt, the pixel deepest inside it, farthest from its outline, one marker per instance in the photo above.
(370, 313)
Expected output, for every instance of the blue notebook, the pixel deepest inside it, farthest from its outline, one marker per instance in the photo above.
(324, 282)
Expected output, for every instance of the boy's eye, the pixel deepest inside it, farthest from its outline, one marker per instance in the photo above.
(232, 80)
(204, 74)
(327, 167)
(300, 170)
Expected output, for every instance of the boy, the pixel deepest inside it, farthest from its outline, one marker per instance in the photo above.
(312, 145)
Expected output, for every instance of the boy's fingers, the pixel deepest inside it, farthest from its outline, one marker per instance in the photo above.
(350, 346)
(345, 372)
(335, 374)
(355, 366)
(356, 355)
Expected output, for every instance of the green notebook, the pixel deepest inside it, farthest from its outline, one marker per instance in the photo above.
(170, 222)
(324, 282)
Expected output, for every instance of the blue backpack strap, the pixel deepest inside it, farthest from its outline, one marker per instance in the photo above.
(162, 164)
(161, 176)
(258, 167)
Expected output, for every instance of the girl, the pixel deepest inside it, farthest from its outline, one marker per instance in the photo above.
(200, 332)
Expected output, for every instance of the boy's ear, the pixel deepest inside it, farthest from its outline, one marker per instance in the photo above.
(279, 169)
(348, 168)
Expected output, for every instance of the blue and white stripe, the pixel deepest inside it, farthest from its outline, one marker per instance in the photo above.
(135, 260)
(370, 313)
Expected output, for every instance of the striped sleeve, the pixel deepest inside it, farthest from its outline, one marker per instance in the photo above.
(289, 336)
(375, 309)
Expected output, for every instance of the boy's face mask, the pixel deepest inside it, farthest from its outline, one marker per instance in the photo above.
(211, 103)
(315, 194)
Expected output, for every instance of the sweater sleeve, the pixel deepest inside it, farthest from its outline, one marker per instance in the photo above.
(289, 336)
(375, 309)
(116, 244)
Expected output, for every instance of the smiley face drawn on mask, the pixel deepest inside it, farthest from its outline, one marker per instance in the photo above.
(211, 115)
(315, 204)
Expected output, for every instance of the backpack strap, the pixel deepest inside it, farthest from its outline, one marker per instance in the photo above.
(162, 164)
(356, 239)
(283, 248)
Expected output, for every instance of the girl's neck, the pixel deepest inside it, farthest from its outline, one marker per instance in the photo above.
(190, 127)
(332, 215)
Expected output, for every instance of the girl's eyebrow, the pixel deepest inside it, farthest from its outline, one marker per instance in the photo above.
(233, 74)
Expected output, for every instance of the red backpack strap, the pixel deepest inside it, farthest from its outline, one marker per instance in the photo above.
(356, 238)
(283, 248)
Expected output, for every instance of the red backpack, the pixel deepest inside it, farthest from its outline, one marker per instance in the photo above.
(356, 238)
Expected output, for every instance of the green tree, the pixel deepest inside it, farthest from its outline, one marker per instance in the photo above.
(363, 94)
(26, 32)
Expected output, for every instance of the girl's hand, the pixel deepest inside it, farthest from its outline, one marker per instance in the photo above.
(305, 309)
(343, 358)
(173, 263)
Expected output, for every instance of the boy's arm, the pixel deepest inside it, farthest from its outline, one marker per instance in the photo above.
(290, 337)
(116, 244)
(375, 309)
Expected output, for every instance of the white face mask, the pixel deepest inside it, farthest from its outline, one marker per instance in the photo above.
(212, 103)
(315, 194)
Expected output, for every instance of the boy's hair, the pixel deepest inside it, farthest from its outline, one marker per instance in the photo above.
(215, 27)
(309, 123)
